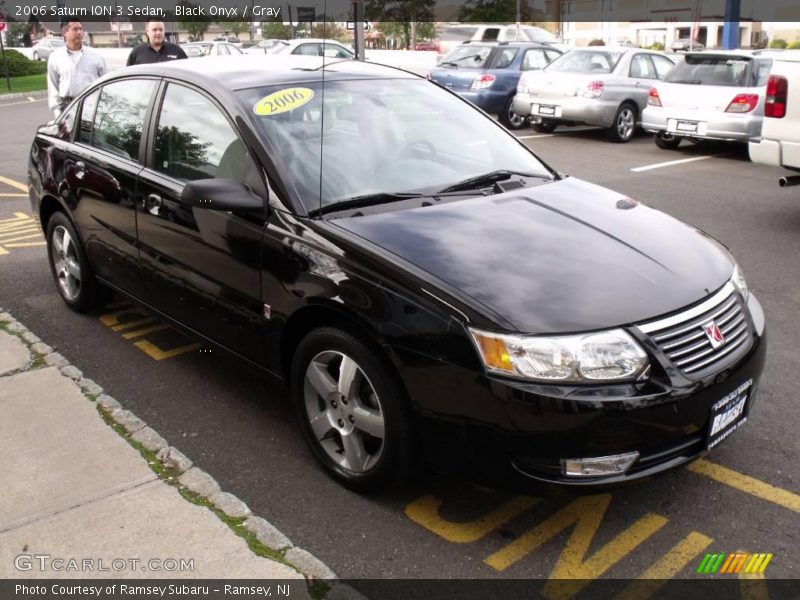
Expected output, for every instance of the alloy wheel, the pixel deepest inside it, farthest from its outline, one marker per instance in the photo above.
(66, 263)
(626, 123)
(344, 411)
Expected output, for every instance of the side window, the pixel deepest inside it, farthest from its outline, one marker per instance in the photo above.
(534, 60)
(505, 58)
(307, 49)
(642, 68)
(119, 120)
(67, 123)
(551, 55)
(222, 50)
(663, 65)
(195, 140)
(491, 34)
(234, 50)
(87, 118)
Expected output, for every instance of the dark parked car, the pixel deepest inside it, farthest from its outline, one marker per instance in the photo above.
(487, 73)
(416, 273)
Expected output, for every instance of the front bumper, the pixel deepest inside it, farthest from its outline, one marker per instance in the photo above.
(576, 109)
(711, 125)
(516, 434)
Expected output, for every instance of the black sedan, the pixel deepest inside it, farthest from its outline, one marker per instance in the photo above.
(425, 283)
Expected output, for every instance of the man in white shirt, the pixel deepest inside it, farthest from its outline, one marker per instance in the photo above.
(72, 67)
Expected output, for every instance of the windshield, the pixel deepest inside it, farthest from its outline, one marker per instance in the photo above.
(586, 61)
(379, 136)
(468, 55)
(718, 70)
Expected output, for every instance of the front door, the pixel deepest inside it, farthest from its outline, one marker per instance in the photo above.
(201, 266)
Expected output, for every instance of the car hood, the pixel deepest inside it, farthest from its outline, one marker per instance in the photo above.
(561, 257)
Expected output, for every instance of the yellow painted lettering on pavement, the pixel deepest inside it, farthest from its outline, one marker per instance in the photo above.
(140, 332)
(19, 231)
(157, 353)
(746, 484)
(573, 570)
(666, 567)
(425, 512)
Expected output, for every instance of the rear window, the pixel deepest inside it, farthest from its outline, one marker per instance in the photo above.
(730, 71)
(468, 55)
(458, 34)
(586, 61)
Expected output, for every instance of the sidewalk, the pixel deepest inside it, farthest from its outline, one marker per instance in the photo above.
(85, 479)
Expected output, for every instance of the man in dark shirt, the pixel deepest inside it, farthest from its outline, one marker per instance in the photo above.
(156, 49)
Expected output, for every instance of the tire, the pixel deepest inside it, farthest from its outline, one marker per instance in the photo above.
(666, 141)
(35, 56)
(545, 126)
(361, 434)
(71, 271)
(510, 119)
(624, 126)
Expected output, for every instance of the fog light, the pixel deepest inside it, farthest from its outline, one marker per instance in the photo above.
(599, 466)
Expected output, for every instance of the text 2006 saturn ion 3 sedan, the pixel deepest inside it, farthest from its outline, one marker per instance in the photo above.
(421, 279)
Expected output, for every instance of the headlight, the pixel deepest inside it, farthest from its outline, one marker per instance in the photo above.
(605, 356)
(739, 283)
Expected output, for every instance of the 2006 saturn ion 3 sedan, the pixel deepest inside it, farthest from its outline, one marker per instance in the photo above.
(422, 280)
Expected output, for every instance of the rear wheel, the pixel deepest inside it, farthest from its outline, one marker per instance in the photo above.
(35, 56)
(545, 126)
(73, 275)
(511, 119)
(352, 410)
(666, 141)
(624, 126)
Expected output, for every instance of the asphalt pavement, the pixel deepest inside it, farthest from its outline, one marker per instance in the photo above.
(238, 426)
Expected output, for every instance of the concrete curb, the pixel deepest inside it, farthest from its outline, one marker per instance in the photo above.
(191, 478)
(22, 95)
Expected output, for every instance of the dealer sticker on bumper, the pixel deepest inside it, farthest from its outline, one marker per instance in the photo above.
(728, 414)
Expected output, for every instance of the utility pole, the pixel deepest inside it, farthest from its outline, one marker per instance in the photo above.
(358, 20)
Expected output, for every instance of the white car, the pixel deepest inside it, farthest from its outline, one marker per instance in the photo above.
(779, 144)
(312, 47)
(211, 49)
(264, 46)
(43, 48)
(458, 33)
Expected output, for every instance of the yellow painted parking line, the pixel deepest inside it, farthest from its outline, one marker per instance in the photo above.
(140, 332)
(157, 353)
(672, 163)
(133, 324)
(26, 244)
(425, 512)
(746, 484)
(15, 184)
(667, 567)
(13, 195)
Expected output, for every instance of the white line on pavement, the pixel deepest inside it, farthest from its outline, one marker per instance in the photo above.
(28, 101)
(674, 162)
(530, 137)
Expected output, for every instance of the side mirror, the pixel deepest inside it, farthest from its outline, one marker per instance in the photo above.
(220, 194)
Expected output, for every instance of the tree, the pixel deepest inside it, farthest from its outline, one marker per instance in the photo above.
(195, 26)
(327, 30)
(396, 17)
(237, 27)
(494, 11)
(276, 31)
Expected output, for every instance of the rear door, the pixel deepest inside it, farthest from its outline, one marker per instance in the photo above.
(100, 175)
(201, 266)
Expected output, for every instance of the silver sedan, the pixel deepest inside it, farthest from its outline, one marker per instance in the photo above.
(43, 48)
(604, 86)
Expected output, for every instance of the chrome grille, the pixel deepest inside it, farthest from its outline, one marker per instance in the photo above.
(683, 338)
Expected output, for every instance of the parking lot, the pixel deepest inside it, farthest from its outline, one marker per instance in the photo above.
(238, 425)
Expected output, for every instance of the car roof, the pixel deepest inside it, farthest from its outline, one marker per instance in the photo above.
(520, 44)
(221, 73)
(313, 41)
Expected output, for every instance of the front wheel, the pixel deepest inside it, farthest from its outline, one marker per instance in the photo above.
(35, 56)
(624, 125)
(352, 410)
(71, 270)
(666, 141)
(511, 119)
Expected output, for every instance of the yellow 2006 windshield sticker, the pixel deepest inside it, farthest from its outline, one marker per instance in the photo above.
(283, 101)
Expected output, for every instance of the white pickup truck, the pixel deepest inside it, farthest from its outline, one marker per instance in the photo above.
(779, 144)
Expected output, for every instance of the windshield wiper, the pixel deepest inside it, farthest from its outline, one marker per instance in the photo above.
(480, 181)
(361, 201)
(448, 62)
(689, 81)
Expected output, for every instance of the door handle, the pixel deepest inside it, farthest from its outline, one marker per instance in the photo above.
(152, 204)
(80, 169)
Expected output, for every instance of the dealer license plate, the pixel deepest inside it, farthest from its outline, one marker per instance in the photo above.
(687, 126)
(547, 109)
(728, 414)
